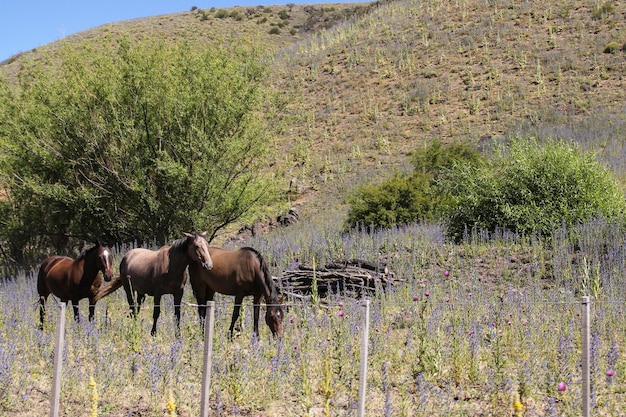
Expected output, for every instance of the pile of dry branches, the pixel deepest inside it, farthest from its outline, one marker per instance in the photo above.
(352, 277)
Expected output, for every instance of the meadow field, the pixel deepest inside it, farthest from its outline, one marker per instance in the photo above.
(490, 327)
(487, 327)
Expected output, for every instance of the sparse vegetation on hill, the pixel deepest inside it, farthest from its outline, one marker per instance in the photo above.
(372, 89)
(489, 326)
(361, 85)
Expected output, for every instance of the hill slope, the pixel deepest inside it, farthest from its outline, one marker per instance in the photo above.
(363, 84)
(411, 71)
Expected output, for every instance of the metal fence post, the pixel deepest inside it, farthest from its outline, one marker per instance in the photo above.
(585, 355)
(58, 362)
(364, 351)
(208, 354)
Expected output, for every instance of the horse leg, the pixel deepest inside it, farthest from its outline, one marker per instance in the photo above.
(75, 308)
(209, 294)
(199, 291)
(42, 310)
(156, 313)
(92, 308)
(178, 297)
(257, 310)
(236, 309)
(139, 299)
(131, 296)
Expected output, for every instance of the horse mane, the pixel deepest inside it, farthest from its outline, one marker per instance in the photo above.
(266, 274)
(180, 244)
(84, 253)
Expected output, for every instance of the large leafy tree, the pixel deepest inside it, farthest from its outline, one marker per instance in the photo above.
(138, 141)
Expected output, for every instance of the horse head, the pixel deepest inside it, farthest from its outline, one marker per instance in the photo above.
(105, 261)
(274, 316)
(199, 249)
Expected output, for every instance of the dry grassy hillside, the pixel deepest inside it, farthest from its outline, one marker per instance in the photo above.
(372, 90)
(363, 84)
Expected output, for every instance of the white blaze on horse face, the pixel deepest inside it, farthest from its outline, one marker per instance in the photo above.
(107, 259)
(204, 256)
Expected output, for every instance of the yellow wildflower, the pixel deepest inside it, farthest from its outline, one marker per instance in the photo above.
(518, 406)
(94, 397)
(171, 405)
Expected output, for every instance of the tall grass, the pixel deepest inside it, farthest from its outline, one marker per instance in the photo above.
(468, 329)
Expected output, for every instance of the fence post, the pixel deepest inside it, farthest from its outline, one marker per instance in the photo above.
(585, 355)
(364, 349)
(58, 360)
(208, 353)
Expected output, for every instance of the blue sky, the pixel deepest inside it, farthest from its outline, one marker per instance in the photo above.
(27, 24)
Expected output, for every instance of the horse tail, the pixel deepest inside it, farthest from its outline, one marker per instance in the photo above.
(42, 288)
(42, 285)
(107, 288)
(269, 282)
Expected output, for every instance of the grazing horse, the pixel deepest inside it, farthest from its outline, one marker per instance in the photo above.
(240, 273)
(74, 279)
(148, 272)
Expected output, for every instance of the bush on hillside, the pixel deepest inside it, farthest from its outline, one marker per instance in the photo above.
(405, 198)
(531, 187)
(396, 200)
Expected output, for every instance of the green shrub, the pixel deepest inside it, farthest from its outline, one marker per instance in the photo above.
(221, 14)
(612, 47)
(405, 198)
(274, 31)
(397, 200)
(235, 15)
(532, 187)
(436, 157)
(602, 11)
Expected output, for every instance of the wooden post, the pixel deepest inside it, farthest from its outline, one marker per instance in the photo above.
(585, 356)
(363, 369)
(208, 353)
(58, 362)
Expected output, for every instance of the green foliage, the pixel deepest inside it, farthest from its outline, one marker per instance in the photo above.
(532, 187)
(397, 200)
(436, 158)
(612, 47)
(141, 141)
(236, 15)
(405, 198)
(602, 11)
(221, 14)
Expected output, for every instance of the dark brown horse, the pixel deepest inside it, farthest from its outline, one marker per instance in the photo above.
(147, 272)
(74, 279)
(240, 273)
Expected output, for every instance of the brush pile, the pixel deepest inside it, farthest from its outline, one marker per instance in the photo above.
(352, 277)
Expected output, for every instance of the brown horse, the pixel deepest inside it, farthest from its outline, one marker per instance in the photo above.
(147, 272)
(73, 280)
(240, 272)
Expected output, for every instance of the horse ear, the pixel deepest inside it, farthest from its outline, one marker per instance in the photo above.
(187, 234)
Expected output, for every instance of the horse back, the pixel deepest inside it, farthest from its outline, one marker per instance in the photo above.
(234, 272)
(55, 276)
(145, 267)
